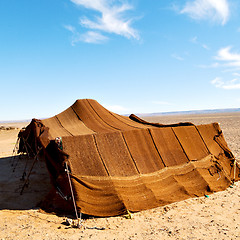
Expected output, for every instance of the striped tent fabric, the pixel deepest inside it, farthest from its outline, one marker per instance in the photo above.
(119, 164)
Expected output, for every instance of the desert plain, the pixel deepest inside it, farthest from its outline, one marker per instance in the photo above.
(216, 216)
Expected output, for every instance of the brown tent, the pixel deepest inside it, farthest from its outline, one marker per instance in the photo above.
(119, 163)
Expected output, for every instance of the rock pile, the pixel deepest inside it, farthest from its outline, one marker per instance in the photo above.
(8, 128)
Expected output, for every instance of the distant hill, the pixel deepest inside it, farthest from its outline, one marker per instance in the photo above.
(15, 121)
(209, 111)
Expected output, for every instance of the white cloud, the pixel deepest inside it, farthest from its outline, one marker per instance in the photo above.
(93, 37)
(195, 41)
(225, 54)
(230, 59)
(213, 10)
(112, 18)
(232, 84)
(177, 57)
(217, 82)
(75, 35)
(226, 58)
(88, 37)
(205, 46)
(70, 28)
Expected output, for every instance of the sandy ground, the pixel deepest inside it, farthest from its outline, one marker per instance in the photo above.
(213, 217)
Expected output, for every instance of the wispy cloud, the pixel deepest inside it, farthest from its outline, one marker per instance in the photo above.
(195, 41)
(236, 74)
(232, 84)
(228, 57)
(88, 37)
(230, 61)
(225, 58)
(109, 17)
(179, 58)
(70, 28)
(213, 10)
(93, 37)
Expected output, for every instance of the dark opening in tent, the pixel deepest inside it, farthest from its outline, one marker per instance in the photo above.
(117, 164)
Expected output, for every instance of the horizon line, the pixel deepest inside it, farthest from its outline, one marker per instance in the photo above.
(203, 111)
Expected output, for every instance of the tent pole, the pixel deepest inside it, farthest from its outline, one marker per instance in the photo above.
(14, 154)
(74, 203)
(234, 170)
(28, 158)
(27, 179)
(14, 151)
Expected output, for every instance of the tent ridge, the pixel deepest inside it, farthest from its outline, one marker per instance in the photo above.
(101, 117)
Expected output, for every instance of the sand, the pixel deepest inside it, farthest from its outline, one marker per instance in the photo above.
(214, 217)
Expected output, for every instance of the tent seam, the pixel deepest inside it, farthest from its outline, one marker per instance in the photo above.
(130, 153)
(104, 164)
(81, 119)
(63, 126)
(202, 139)
(149, 130)
(180, 144)
(122, 121)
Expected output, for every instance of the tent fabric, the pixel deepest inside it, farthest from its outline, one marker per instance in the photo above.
(120, 163)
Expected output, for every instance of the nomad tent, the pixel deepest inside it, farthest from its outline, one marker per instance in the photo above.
(105, 164)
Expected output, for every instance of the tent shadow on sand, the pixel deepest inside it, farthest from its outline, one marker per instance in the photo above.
(11, 183)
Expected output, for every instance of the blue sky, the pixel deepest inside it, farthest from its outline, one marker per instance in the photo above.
(132, 56)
